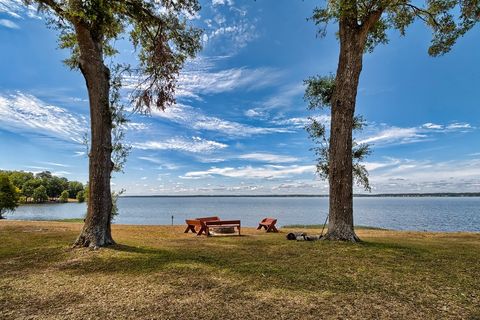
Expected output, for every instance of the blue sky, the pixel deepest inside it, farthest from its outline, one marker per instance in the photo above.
(238, 125)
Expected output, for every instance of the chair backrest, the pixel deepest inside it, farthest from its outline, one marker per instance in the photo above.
(222, 222)
(205, 219)
(269, 221)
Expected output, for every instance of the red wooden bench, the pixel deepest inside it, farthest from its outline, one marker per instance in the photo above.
(199, 223)
(222, 223)
(268, 224)
(203, 225)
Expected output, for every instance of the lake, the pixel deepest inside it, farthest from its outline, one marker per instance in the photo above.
(421, 213)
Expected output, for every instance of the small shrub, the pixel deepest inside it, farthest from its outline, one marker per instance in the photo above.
(64, 196)
(81, 196)
(40, 194)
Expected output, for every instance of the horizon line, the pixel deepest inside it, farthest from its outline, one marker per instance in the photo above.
(419, 194)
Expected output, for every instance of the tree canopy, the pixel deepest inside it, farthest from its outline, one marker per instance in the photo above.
(27, 182)
(158, 31)
(447, 19)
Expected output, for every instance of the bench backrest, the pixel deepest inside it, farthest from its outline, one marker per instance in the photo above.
(205, 219)
(222, 222)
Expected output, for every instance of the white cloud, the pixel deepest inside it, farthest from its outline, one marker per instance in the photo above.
(194, 83)
(406, 175)
(79, 153)
(301, 122)
(55, 164)
(198, 79)
(9, 24)
(135, 126)
(194, 119)
(151, 159)
(239, 34)
(229, 32)
(249, 172)
(222, 2)
(61, 173)
(268, 157)
(395, 135)
(430, 125)
(25, 113)
(282, 99)
(194, 145)
(384, 135)
(459, 125)
(254, 113)
(372, 166)
(16, 8)
(163, 163)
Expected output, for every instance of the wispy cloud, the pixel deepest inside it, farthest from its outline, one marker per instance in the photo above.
(21, 112)
(163, 164)
(16, 9)
(284, 98)
(248, 172)
(239, 34)
(384, 135)
(395, 135)
(229, 28)
(151, 159)
(195, 119)
(222, 2)
(268, 157)
(200, 78)
(79, 153)
(193, 145)
(430, 125)
(55, 164)
(459, 125)
(301, 122)
(408, 175)
(194, 83)
(9, 24)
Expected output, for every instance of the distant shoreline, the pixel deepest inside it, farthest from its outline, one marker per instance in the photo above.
(380, 195)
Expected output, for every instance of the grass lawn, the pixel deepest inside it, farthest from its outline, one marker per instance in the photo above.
(158, 272)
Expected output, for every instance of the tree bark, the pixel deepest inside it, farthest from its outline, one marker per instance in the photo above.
(96, 231)
(340, 226)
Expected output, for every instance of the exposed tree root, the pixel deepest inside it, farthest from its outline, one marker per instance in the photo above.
(349, 236)
(93, 240)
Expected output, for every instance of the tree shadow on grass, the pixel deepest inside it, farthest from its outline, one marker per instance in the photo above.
(378, 245)
(132, 249)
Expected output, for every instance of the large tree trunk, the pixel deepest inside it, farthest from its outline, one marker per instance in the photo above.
(340, 226)
(96, 231)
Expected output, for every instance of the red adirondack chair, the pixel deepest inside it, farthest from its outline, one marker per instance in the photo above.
(268, 224)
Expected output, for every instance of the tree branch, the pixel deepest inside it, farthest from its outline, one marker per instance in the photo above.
(419, 12)
(54, 6)
(369, 21)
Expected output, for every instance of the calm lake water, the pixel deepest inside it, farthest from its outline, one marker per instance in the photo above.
(426, 213)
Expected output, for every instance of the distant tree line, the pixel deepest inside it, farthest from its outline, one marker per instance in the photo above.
(43, 187)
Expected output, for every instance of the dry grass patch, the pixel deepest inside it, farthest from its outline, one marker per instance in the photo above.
(158, 272)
